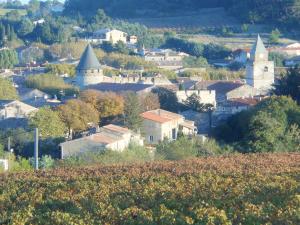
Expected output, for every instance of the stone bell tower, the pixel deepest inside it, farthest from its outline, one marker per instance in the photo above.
(259, 70)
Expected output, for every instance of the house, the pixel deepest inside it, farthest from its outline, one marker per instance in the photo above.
(201, 120)
(113, 36)
(37, 98)
(226, 90)
(40, 21)
(231, 107)
(111, 137)
(15, 109)
(160, 124)
(204, 96)
(289, 50)
(165, 58)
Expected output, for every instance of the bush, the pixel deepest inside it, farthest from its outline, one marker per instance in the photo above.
(134, 154)
(184, 148)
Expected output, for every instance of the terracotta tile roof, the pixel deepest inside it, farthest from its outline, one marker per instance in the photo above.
(160, 116)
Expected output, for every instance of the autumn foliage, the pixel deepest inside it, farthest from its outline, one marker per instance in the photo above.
(235, 189)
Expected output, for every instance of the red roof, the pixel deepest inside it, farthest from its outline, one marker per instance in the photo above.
(160, 116)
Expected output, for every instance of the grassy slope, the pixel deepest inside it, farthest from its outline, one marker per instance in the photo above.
(246, 189)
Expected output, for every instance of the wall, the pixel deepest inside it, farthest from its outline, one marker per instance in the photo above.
(205, 96)
(89, 77)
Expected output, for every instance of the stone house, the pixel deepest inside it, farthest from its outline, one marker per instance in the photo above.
(15, 109)
(111, 137)
(160, 124)
(226, 90)
(204, 96)
(231, 107)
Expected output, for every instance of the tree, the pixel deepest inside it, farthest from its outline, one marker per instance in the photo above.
(289, 85)
(149, 101)
(78, 115)
(274, 36)
(53, 129)
(108, 104)
(8, 59)
(272, 125)
(167, 99)
(132, 110)
(7, 90)
(265, 132)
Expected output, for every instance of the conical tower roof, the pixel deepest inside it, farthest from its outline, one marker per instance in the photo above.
(258, 47)
(88, 60)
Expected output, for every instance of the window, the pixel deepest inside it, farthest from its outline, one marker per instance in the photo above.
(174, 133)
(151, 138)
(266, 69)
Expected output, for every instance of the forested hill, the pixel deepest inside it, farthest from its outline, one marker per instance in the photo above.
(132, 8)
(279, 12)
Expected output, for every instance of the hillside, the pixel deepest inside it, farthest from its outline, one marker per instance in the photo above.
(237, 189)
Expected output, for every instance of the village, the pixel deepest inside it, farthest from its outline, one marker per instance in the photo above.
(205, 104)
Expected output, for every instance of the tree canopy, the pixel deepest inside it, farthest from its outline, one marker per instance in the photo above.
(272, 125)
(7, 90)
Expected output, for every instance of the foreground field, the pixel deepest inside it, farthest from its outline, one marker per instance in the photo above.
(249, 189)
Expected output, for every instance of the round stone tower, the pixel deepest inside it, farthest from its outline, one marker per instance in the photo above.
(88, 71)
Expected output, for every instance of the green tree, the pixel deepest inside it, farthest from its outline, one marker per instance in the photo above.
(274, 36)
(8, 59)
(53, 129)
(7, 90)
(132, 110)
(167, 99)
(289, 85)
(265, 132)
(25, 27)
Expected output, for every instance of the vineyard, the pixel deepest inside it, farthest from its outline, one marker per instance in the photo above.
(235, 189)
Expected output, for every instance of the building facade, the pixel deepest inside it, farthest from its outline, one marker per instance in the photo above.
(160, 124)
(111, 137)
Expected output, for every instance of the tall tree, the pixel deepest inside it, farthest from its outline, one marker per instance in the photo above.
(132, 111)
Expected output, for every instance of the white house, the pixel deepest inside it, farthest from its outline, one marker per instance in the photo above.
(204, 96)
(113, 36)
(160, 124)
(111, 137)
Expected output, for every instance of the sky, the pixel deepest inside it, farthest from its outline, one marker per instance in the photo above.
(26, 1)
